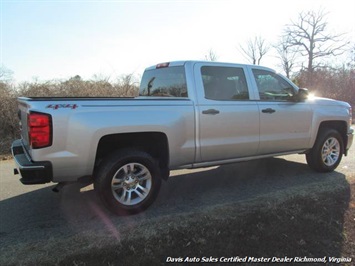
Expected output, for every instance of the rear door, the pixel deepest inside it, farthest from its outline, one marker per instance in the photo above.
(228, 122)
(285, 125)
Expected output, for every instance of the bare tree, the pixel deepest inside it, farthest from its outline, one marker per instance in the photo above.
(287, 55)
(211, 56)
(309, 34)
(5, 73)
(255, 49)
(128, 85)
(351, 60)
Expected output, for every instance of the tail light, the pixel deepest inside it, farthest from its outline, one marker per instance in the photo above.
(39, 130)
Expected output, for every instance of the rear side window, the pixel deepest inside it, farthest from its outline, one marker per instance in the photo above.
(164, 82)
(224, 83)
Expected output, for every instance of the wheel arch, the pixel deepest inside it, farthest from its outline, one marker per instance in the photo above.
(153, 143)
(340, 126)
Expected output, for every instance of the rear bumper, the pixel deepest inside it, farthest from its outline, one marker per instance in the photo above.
(31, 172)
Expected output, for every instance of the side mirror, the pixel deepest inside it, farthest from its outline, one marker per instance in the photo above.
(302, 94)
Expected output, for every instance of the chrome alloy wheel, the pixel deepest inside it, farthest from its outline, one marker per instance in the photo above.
(330, 151)
(131, 184)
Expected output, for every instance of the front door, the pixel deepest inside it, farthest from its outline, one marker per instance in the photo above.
(284, 123)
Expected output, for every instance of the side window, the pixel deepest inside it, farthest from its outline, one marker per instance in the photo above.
(224, 83)
(272, 87)
(164, 82)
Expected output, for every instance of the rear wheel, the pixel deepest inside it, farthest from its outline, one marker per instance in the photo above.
(128, 181)
(327, 152)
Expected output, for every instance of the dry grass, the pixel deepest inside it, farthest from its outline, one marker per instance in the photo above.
(349, 227)
(303, 224)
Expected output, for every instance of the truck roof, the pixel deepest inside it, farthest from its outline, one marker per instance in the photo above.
(183, 62)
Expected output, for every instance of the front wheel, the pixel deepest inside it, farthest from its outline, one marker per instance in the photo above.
(128, 181)
(327, 152)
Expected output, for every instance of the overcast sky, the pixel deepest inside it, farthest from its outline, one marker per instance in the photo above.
(60, 39)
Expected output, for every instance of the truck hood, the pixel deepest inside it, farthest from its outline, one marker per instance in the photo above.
(327, 102)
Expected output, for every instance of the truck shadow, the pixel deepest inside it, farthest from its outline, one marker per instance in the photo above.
(42, 214)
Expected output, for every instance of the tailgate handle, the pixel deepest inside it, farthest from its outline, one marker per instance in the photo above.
(268, 110)
(210, 112)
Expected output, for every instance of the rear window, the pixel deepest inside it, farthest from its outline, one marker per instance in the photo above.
(224, 83)
(164, 82)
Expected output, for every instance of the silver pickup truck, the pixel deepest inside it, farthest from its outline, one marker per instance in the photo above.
(189, 114)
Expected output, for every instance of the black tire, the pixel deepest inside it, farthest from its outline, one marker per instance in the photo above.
(327, 151)
(124, 190)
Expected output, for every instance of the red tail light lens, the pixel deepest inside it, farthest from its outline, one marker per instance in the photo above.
(39, 130)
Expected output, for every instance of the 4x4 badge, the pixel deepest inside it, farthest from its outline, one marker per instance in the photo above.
(57, 106)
